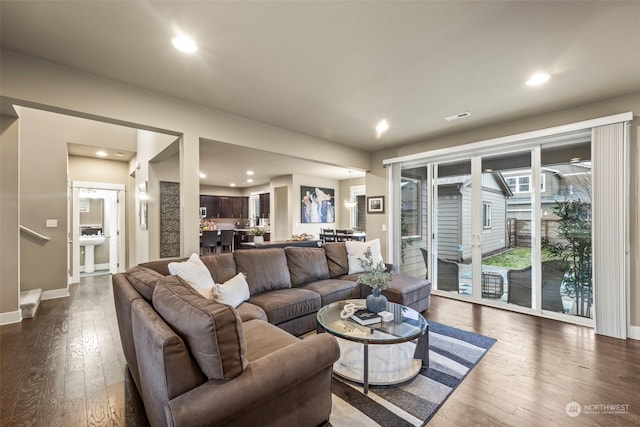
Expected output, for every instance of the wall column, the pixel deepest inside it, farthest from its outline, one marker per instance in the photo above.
(189, 194)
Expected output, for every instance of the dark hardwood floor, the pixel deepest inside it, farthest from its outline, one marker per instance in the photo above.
(65, 367)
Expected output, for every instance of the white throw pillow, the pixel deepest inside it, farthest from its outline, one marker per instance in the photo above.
(357, 249)
(234, 291)
(195, 273)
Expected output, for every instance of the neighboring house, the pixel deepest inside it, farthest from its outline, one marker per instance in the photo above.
(454, 218)
(558, 183)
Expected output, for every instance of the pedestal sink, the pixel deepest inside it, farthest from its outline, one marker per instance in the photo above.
(89, 243)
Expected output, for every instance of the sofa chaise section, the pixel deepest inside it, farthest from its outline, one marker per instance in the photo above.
(246, 373)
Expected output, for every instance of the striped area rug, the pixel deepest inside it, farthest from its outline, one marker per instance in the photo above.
(452, 355)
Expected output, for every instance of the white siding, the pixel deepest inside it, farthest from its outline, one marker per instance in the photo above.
(448, 226)
(495, 237)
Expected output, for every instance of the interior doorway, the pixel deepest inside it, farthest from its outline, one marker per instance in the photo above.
(97, 237)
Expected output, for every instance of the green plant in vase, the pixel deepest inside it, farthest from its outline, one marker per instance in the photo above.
(258, 235)
(376, 277)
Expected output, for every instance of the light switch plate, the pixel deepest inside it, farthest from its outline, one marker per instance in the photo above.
(52, 223)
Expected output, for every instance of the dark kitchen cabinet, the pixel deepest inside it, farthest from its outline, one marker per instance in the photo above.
(265, 205)
(211, 203)
(225, 206)
(240, 207)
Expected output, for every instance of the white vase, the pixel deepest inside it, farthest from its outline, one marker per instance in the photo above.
(258, 240)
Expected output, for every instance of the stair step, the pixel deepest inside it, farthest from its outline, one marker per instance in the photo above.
(29, 302)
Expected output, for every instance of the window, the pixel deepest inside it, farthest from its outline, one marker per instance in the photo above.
(486, 215)
(522, 184)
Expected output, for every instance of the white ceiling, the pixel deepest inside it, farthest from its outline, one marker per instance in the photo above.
(332, 69)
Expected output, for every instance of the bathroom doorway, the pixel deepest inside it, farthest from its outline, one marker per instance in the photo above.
(97, 238)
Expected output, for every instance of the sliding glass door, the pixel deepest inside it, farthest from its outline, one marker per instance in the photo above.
(509, 229)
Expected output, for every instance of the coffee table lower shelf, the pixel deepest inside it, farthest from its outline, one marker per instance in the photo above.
(387, 364)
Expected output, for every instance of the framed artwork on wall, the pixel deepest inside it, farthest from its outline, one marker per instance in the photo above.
(317, 205)
(375, 204)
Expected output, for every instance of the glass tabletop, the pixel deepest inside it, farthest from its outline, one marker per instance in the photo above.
(407, 324)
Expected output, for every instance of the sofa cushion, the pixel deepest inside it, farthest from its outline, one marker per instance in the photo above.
(356, 250)
(248, 311)
(332, 290)
(306, 265)
(266, 269)
(222, 267)
(212, 331)
(286, 304)
(143, 280)
(264, 338)
(337, 260)
(233, 292)
(194, 272)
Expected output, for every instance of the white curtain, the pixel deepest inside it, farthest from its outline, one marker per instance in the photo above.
(610, 228)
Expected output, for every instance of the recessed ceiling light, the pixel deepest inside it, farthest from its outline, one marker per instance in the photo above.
(202, 175)
(249, 180)
(184, 44)
(119, 154)
(538, 79)
(382, 127)
(249, 172)
(233, 184)
(101, 153)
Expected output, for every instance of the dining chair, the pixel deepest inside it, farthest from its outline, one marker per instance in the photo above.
(209, 241)
(341, 235)
(328, 235)
(226, 240)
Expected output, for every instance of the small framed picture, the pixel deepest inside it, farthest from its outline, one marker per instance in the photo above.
(375, 204)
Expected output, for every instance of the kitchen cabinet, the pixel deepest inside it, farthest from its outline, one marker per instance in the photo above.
(212, 204)
(225, 206)
(240, 207)
(243, 236)
(265, 205)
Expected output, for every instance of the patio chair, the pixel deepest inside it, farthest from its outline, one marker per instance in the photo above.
(447, 273)
(519, 286)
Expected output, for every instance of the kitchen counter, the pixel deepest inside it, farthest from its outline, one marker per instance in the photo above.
(281, 244)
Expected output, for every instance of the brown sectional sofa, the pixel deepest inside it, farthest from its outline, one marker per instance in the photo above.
(199, 362)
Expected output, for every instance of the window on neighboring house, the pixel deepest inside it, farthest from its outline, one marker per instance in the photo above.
(486, 215)
(522, 184)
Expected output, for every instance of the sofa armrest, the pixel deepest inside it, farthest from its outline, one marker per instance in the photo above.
(217, 402)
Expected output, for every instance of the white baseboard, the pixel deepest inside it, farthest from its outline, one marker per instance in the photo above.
(634, 332)
(11, 317)
(55, 293)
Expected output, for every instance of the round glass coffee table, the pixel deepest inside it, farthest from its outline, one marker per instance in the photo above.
(393, 359)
